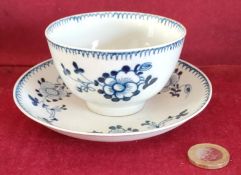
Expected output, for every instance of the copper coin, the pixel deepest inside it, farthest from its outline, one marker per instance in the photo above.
(208, 156)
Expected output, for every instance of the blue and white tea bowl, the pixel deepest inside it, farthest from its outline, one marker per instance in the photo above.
(115, 61)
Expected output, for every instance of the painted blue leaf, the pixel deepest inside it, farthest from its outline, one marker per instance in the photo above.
(187, 88)
(145, 66)
(148, 79)
(126, 98)
(107, 96)
(62, 66)
(136, 68)
(65, 71)
(77, 68)
(100, 91)
(35, 101)
(96, 83)
(145, 86)
(118, 126)
(112, 127)
(152, 81)
(75, 65)
(44, 105)
(136, 92)
(115, 99)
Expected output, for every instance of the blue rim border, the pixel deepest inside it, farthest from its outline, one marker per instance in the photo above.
(117, 54)
(23, 79)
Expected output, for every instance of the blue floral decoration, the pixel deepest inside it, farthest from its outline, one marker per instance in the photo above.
(174, 87)
(114, 129)
(153, 125)
(116, 85)
(121, 129)
(50, 92)
(125, 83)
(83, 83)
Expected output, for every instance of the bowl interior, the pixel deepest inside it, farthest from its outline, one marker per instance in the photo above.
(114, 31)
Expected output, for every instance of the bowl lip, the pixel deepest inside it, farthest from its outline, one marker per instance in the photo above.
(139, 49)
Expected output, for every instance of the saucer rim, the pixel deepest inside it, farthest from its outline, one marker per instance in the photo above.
(68, 131)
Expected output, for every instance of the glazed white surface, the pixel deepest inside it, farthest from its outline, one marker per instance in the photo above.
(103, 42)
(163, 110)
(111, 34)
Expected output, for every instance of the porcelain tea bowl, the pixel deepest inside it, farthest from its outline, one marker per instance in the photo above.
(115, 61)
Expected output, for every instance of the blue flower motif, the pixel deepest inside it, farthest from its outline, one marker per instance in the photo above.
(122, 85)
(49, 92)
(52, 91)
(116, 85)
(84, 84)
(120, 129)
(174, 87)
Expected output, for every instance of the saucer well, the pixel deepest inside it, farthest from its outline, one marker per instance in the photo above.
(42, 96)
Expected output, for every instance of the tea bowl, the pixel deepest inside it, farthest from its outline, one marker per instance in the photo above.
(115, 61)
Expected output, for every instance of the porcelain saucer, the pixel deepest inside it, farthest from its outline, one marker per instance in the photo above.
(42, 96)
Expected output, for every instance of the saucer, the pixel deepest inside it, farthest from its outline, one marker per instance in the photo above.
(42, 96)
